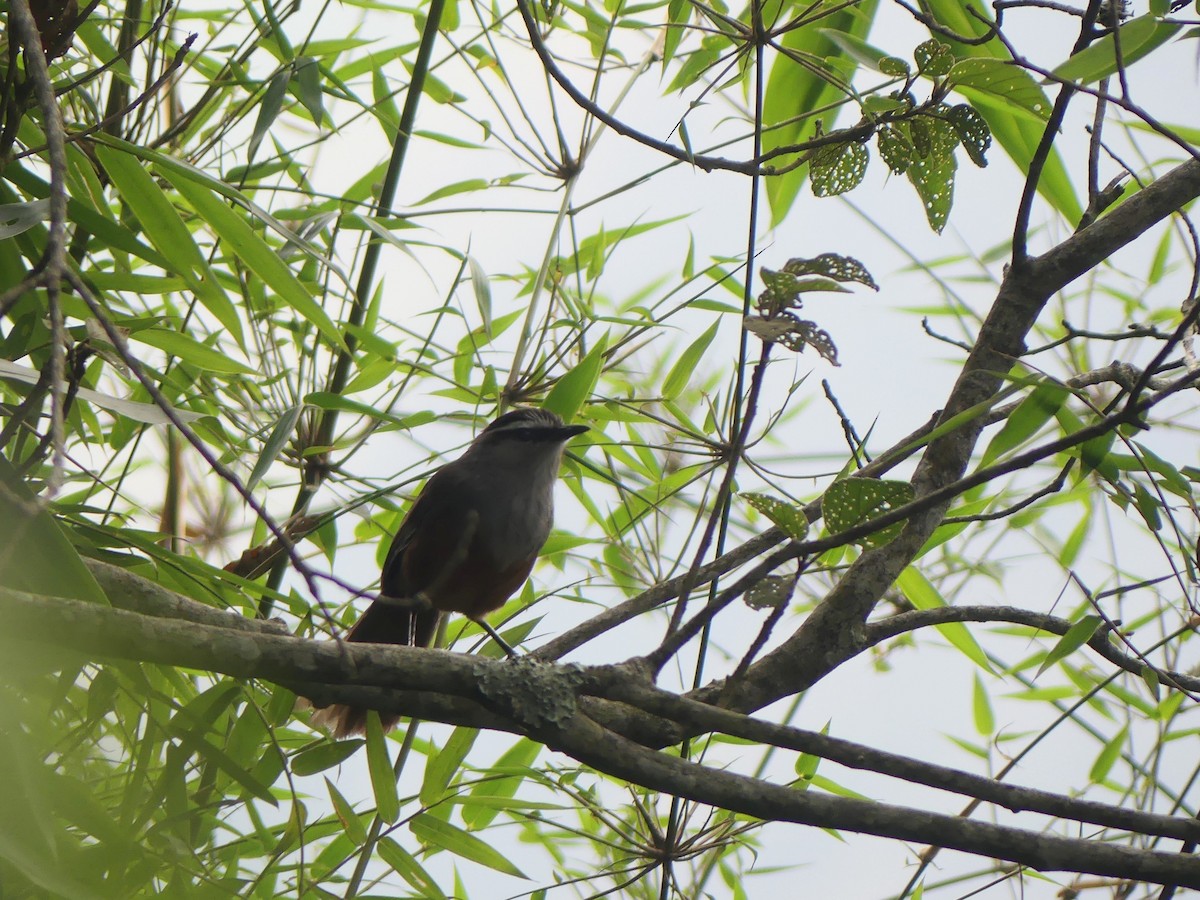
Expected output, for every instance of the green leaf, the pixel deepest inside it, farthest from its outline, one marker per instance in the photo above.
(308, 86)
(326, 400)
(685, 367)
(1138, 37)
(852, 501)
(191, 351)
(29, 836)
(1077, 635)
(249, 781)
(1109, 755)
(379, 765)
(240, 239)
(1152, 682)
(445, 765)
(787, 516)
(351, 821)
(483, 293)
(459, 187)
(572, 391)
(433, 832)
(679, 12)
(1095, 455)
(37, 556)
(268, 111)
(985, 720)
(921, 593)
(1031, 414)
(477, 810)
(322, 756)
(407, 867)
(280, 435)
(165, 229)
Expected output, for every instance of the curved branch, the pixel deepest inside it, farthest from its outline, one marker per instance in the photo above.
(902, 623)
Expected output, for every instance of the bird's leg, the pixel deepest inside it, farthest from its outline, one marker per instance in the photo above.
(417, 603)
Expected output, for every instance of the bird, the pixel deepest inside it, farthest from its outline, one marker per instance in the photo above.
(468, 543)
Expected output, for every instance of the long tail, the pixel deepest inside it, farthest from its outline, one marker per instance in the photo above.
(382, 623)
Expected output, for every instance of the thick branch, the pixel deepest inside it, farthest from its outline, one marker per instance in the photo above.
(451, 687)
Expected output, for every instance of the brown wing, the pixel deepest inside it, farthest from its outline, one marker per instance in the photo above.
(411, 565)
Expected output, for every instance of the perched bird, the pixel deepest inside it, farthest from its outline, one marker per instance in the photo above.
(468, 542)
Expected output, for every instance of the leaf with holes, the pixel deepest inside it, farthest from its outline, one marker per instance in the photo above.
(838, 169)
(787, 516)
(973, 132)
(794, 333)
(933, 178)
(771, 592)
(934, 59)
(834, 266)
(895, 149)
(781, 290)
(853, 501)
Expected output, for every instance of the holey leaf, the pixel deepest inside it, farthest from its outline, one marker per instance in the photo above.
(852, 501)
(788, 516)
(838, 169)
(833, 266)
(783, 288)
(793, 333)
(771, 592)
(933, 178)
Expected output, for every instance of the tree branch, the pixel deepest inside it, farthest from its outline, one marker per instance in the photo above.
(461, 689)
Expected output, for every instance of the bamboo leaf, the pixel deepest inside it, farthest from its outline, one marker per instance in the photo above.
(433, 832)
(164, 228)
(1077, 635)
(379, 766)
